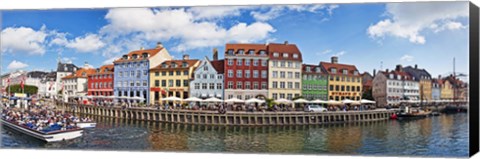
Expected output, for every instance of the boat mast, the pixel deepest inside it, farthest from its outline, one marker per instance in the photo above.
(454, 81)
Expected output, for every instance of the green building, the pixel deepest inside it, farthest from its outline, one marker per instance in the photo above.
(314, 82)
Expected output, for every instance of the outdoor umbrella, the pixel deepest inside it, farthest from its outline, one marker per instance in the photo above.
(138, 98)
(318, 101)
(365, 101)
(283, 100)
(254, 100)
(172, 98)
(234, 100)
(347, 101)
(333, 102)
(193, 99)
(301, 101)
(212, 99)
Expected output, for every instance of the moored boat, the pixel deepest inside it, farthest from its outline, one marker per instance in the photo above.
(413, 113)
(50, 136)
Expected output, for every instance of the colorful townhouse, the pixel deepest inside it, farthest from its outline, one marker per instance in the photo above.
(344, 81)
(101, 82)
(76, 84)
(314, 82)
(392, 87)
(132, 72)
(208, 78)
(285, 71)
(446, 89)
(246, 70)
(171, 78)
(436, 89)
(425, 80)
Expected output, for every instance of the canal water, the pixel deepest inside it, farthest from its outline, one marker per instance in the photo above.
(440, 136)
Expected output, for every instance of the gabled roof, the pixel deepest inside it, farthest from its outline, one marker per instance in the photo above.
(36, 74)
(328, 67)
(312, 69)
(80, 73)
(290, 49)
(66, 67)
(368, 83)
(246, 48)
(150, 52)
(105, 69)
(218, 65)
(403, 75)
(179, 63)
(417, 73)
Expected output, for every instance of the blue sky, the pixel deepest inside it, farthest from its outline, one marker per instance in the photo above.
(428, 34)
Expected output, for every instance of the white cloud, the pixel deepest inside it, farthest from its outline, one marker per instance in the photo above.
(87, 43)
(216, 12)
(16, 65)
(23, 40)
(69, 59)
(340, 53)
(331, 8)
(272, 12)
(408, 20)
(407, 58)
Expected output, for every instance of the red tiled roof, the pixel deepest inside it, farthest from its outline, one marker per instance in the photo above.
(404, 75)
(350, 68)
(290, 49)
(368, 83)
(246, 48)
(179, 63)
(78, 74)
(312, 69)
(151, 52)
(103, 70)
(218, 65)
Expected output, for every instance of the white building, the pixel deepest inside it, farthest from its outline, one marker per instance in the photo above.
(63, 70)
(208, 79)
(391, 87)
(76, 84)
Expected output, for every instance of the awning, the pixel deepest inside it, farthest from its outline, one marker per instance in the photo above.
(204, 95)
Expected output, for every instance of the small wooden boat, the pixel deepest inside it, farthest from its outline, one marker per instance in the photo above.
(86, 124)
(50, 136)
(413, 113)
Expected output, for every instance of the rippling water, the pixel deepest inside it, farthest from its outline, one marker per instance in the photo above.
(445, 135)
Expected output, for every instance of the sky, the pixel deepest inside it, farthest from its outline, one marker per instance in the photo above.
(369, 36)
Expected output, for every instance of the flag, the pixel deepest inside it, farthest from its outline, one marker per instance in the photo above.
(22, 83)
(8, 82)
(51, 84)
(63, 83)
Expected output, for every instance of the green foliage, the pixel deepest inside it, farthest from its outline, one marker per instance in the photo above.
(269, 101)
(299, 97)
(367, 95)
(28, 89)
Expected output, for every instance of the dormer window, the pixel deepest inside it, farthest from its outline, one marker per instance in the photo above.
(275, 54)
(174, 65)
(164, 65)
(240, 52)
(145, 55)
(84, 74)
(333, 70)
(345, 71)
(285, 55)
(125, 57)
(184, 64)
(399, 77)
(317, 69)
(262, 52)
(295, 56)
(391, 76)
(355, 73)
(251, 52)
(134, 56)
(230, 52)
(205, 68)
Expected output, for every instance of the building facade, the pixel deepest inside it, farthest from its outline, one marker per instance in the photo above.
(171, 78)
(76, 84)
(101, 82)
(392, 87)
(208, 79)
(35, 78)
(245, 70)
(285, 71)
(132, 72)
(63, 70)
(344, 81)
(425, 80)
(314, 82)
(436, 89)
(446, 90)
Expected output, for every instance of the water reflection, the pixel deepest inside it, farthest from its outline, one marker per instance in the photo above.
(445, 135)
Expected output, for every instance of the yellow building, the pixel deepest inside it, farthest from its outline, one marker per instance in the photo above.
(446, 91)
(285, 71)
(426, 89)
(171, 78)
(344, 81)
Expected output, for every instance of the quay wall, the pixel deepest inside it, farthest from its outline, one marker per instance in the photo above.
(230, 118)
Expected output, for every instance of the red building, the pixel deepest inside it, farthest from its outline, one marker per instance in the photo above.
(246, 70)
(101, 82)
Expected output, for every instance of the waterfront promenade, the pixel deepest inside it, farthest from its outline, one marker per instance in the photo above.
(240, 118)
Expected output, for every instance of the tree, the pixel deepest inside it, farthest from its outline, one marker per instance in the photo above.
(28, 89)
(367, 94)
(268, 101)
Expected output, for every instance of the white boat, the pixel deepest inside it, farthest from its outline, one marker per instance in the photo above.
(52, 136)
(87, 124)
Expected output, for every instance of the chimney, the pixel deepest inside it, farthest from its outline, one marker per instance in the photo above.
(186, 57)
(374, 72)
(386, 70)
(334, 59)
(439, 76)
(215, 54)
(399, 68)
(416, 66)
(141, 48)
(159, 45)
(286, 42)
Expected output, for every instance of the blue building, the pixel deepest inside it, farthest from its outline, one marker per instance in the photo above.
(132, 72)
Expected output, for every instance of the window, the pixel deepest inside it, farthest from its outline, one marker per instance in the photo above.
(132, 84)
(275, 63)
(197, 85)
(282, 63)
(239, 96)
(145, 63)
(264, 62)
(337, 78)
(219, 77)
(212, 86)
(145, 72)
(178, 73)
(205, 68)
(239, 73)
(145, 83)
(282, 74)
(247, 85)
(157, 83)
(230, 73)
(247, 73)
(274, 74)
(230, 62)
(240, 51)
(290, 75)
(219, 86)
(247, 62)
(337, 87)
(164, 73)
(178, 83)
(264, 85)
(164, 83)
(170, 83)
(185, 73)
(185, 83)
(230, 52)
(290, 85)
(333, 70)
(274, 96)
(264, 74)
(212, 76)
(342, 88)
(282, 84)
(331, 87)
(275, 84)
(239, 85)
(132, 73)
(157, 73)
(275, 54)
(295, 56)
(358, 88)
(297, 85)
(184, 64)
(255, 62)
(251, 52)
(138, 83)
(239, 62)
(255, 85)
(204, 85)
(285, 55)
(120, 74)
(255, 73)
(282, 95)
(348, 88)
(230, 85)
(289, 64)
(289, 96)
(297, 75)
(262, 52)
(171, 73)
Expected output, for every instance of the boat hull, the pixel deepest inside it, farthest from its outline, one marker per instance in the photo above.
(48, 137)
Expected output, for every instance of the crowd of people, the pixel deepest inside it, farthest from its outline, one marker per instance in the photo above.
(41, 119)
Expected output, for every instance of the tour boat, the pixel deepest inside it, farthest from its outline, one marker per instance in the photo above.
(90, 124)
(407, 112)
(51, 136)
